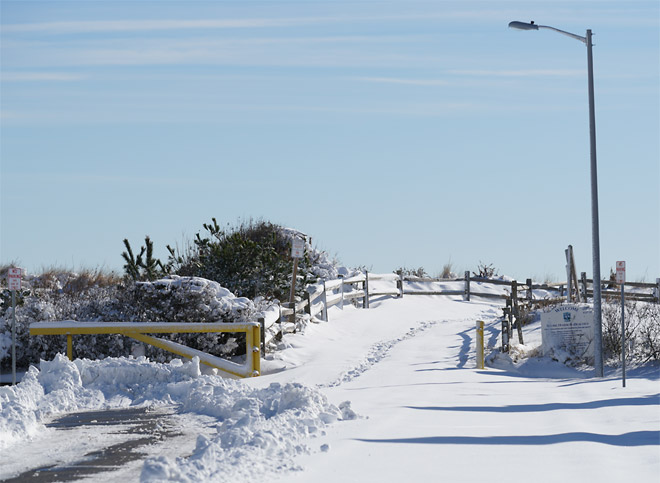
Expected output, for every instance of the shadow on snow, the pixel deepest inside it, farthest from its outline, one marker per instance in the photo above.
(651, 400)
(636, 438)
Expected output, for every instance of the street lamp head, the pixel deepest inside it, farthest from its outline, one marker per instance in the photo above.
(523, 25)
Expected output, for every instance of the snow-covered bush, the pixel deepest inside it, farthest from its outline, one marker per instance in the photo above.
(172, 299)
(412, 272)
(642, 326)
(485, 271)
(34, 305)
(252, 259)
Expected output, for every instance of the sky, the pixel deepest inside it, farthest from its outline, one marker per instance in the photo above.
(394, 133)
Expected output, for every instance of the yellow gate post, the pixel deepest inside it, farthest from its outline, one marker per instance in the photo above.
(253, 336)
(480, 344)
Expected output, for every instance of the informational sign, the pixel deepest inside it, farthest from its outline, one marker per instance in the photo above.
(620, 273)
(297, 248)
(14, 278)
(568, 329)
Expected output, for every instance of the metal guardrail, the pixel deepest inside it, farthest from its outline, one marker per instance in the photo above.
(139, 331)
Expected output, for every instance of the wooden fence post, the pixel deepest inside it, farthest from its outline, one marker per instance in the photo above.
(510, 325)
(514, 297)
(656, 290)
(583, 286)
(324, 299)
(519, 329)
(505, 326)
(365, 300)
(341, 286)
(467, 285)
(400, 284)
(530, 296)
(278, 336)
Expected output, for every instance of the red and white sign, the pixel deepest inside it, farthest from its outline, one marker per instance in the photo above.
(620, 272)
(14, 276)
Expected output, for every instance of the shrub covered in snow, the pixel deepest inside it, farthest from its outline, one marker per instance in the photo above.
(172, 299)
(252, 259)
(642, 326)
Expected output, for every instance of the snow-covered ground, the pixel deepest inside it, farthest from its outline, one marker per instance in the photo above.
(389, 393)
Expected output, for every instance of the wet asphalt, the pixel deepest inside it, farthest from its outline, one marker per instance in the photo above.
(152, 426)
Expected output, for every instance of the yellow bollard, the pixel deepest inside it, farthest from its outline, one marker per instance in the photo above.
(480, 345)
(256, 351)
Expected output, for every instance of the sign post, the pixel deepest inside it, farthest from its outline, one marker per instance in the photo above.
(621, 280)
(297, 252)
(14, 276)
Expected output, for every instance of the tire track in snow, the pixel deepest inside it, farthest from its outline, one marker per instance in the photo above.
(377, 353)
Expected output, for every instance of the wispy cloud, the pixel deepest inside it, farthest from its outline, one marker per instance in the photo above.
(99, 26)
(285, 51)
(40, 77)
(404, 81)
(520, 73)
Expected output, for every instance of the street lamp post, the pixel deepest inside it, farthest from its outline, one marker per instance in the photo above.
(598, 329)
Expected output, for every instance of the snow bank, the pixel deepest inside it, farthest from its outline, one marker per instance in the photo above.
(222, 300)
(63, 386)
(259, 430)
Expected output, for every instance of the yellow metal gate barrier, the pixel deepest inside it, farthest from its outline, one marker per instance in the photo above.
(139, 331)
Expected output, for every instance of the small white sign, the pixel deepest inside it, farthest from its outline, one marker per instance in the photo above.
(297, 248)
(569, 329)
(620, 273)
(14, 277)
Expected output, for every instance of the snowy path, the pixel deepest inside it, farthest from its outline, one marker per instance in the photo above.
(429, 414)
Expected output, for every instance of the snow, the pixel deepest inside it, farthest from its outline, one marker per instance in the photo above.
(388, 393)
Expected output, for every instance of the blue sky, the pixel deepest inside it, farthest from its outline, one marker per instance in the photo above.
(394, 133)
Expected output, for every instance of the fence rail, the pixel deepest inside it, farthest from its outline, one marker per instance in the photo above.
(320, 297)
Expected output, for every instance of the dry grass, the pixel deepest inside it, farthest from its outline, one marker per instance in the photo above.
(89, 278)
(447, 270)
(56, 278)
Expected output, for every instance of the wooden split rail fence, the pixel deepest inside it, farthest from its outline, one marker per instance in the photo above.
(519, 298)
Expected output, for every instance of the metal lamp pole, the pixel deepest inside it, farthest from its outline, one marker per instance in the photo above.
(598, 329)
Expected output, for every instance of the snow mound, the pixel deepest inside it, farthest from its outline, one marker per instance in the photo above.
(259, 430)
(222, 300)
